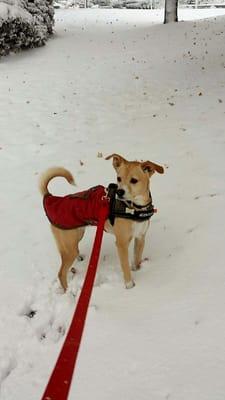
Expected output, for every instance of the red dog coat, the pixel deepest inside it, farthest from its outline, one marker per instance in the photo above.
(75, 210)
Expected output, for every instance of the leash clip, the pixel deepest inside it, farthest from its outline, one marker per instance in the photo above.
(105, 196)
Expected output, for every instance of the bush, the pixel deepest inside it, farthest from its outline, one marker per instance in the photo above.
(24, 24)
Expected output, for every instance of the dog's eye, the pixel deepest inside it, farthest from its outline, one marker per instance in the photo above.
(133, 180)
(118, 179)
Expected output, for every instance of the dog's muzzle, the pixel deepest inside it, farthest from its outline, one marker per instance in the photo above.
(120, 193)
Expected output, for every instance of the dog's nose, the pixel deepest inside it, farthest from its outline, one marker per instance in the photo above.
(121, 192)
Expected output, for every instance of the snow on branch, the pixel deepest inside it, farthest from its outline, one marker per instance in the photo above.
(24, 24)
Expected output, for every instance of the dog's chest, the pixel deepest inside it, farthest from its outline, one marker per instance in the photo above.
(140, 228)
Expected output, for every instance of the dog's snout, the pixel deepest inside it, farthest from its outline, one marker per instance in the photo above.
(121, 192)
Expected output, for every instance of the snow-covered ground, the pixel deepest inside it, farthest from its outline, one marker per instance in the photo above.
(117, 81)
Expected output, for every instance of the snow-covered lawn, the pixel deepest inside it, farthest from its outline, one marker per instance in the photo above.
(112, 81)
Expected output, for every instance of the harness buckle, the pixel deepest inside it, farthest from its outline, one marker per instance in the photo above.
(129, 210)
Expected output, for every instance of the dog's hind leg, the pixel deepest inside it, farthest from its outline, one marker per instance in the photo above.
(67, 261)
(67, 243)
(80, 257)
(138, 251)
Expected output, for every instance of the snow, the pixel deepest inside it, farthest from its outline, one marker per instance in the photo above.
(117, 81)
(24, 24)
(13, 11)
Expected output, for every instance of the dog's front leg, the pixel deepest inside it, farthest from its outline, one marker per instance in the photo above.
(123, 233)
(122, 248)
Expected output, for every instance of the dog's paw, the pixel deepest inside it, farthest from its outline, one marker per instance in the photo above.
(136, 267)
(59, 290)
(129, 285)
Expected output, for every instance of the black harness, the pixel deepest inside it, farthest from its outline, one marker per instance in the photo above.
(127, 209)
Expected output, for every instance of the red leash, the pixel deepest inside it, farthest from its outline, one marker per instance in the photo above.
(59, 384)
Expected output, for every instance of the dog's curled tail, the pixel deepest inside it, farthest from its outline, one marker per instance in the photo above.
(53, 173)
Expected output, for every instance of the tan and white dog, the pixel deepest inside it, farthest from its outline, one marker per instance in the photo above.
(133, 186)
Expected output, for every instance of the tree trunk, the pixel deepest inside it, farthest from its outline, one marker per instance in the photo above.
(170, 11)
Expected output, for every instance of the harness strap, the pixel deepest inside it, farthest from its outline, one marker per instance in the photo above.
(127, 209)
(112, 188)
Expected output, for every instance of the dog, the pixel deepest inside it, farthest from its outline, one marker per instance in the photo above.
(133, 181)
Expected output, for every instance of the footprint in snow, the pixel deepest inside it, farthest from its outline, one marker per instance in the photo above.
(47, 309)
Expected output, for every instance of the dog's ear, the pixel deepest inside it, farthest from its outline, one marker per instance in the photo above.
(117, 159)
(151, 167)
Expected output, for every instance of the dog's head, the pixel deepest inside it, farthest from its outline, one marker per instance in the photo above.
(133, 177)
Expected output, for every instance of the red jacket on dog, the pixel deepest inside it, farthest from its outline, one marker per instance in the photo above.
(75, 210)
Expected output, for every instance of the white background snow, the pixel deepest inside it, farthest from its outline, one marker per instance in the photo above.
(117, 81)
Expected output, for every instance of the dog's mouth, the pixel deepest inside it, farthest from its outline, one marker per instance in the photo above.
(140, 200)
(122, 195)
